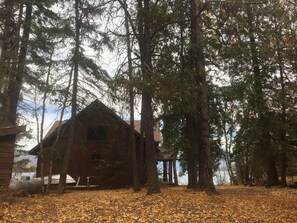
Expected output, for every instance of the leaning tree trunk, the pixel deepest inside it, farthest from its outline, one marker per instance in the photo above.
(51, 162)
(205, 163)
(42, 123)
(72, 127)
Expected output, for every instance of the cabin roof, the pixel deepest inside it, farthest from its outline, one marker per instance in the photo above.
(95, 105)
(13, 130)
(157, 132)
(54, 127)
(166, 154)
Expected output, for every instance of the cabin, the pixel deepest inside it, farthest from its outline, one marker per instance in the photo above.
(7, 144)
(101, 154)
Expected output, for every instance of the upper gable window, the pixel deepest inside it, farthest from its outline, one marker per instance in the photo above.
(97, 133)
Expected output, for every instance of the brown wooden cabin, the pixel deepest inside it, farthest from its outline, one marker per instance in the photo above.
(7, 144)
(101, 152)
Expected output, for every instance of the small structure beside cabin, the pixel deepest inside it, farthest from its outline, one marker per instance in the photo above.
(102, 152)
(168, 157)
(7, 144)
(157, 132)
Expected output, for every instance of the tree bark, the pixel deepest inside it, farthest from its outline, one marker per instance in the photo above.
(170, 172)
(192, 151)
(147, 117)
(136, 183)
(51, 163)
(283, 105)
(7, 48)
(175, 173)
(165, 179)
(13, 77)
(265, 139)
(42, 123)
(205, 163)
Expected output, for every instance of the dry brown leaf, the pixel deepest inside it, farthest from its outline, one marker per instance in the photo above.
(234, 204)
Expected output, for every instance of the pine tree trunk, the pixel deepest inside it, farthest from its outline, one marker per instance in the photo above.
(49, 179)
(142, 169)
(51, 163)
(170, 172)
(14, 76)
(283, 105)
(175, 173)
(147, 117)
(265, 139)
(165, 179)
(205, 163)
(192, 169)
(153, 186)
(283, 165)
(192, 152)
(136, 183)
(42, 123)
(8, 45)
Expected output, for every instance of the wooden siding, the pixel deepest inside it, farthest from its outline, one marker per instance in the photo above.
(6, 159)
(114, 168)
(7, 143)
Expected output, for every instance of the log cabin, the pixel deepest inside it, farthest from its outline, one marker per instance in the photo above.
(101, 154)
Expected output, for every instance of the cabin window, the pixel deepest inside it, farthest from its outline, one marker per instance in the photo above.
(95, 157)
(97, 133)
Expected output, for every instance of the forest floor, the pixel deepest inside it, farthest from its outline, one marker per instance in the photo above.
(174, 204)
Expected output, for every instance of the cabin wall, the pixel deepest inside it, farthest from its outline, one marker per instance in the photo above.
(107, 162)
(6, 159)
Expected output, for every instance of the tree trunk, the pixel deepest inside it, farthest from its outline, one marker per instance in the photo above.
(72, 128)
(165, 179)
(175, 173)
(153, 186)
(147, 117)
(142, 169)
(58, 133)
(228, 146)
(265, 139)
(205, 163)
(283, 105)
(170, 172)
(15, 76)
(192, 152)
(42, 123)
(136, 183)
(7, 48)
(283, 165)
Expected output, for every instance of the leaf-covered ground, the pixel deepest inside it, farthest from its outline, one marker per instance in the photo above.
(234, 204)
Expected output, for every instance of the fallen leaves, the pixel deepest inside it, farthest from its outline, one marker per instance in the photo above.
(234, 204)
